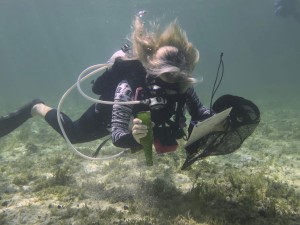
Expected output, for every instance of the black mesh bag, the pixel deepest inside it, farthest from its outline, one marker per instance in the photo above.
(240, 124)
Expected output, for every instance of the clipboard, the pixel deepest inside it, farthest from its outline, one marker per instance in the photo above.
(207, 126)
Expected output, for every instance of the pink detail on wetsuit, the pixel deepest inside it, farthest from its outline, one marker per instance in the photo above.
(160, 149)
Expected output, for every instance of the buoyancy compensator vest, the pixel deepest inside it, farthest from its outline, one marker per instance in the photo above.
(130, 70)
(167, 111)
(105, 85)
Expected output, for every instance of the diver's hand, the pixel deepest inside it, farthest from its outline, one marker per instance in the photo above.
(139, 130)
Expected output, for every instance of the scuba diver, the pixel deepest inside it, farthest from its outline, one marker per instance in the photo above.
(157, 71)
(287, 8)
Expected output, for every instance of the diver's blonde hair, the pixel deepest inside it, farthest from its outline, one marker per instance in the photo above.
(167, 51)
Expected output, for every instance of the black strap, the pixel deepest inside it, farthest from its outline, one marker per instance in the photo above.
(179, 116)
(100, 147)
(216, 86)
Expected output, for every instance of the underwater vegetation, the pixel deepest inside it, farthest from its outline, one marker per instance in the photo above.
(43, 182)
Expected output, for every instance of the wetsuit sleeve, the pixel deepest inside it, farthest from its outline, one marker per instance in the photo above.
(121, 117)
(196, 109)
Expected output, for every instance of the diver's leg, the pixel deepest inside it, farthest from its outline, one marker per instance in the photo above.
(15, 119)
(88, 127)
(40, 109)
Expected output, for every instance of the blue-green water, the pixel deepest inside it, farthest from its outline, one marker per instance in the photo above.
(45, 44)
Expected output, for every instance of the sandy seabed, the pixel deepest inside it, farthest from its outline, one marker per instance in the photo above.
(43, 182)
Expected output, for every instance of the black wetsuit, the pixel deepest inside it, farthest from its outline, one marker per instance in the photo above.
(99, 119)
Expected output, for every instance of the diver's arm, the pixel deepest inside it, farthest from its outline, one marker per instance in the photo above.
(121, 117)
(195, 107)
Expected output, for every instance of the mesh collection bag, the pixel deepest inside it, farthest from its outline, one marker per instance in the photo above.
(240, 124)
